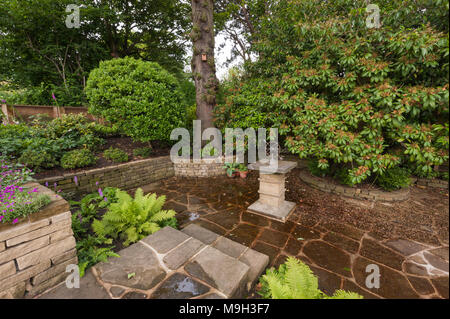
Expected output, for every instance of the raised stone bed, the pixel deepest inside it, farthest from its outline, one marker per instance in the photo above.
(202, 168)
(35, 251)
(432, 182)
(358, 193)
(125, 176)
(171, 264)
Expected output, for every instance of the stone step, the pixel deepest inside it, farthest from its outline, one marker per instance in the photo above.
(173, 264)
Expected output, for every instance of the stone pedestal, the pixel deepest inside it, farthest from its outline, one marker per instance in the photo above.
(271, 202)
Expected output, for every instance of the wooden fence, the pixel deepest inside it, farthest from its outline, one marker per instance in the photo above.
(23, 112)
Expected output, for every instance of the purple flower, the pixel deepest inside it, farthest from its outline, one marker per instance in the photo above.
(15, 221)
(75, 179)
(53, 96)
(100, 192)
(3, 101)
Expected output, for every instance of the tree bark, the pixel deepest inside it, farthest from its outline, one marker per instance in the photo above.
(203, 62)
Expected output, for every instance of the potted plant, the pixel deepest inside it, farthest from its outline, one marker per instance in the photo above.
(231, 169)
(243, 170)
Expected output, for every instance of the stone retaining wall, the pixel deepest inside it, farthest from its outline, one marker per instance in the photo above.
(204, 168)
(34, 252)
(432, 182)
(125, 176)
(358, 193)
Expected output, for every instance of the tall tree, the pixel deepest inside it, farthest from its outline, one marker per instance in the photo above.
(203, 62)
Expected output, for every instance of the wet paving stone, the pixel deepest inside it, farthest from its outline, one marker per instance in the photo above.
(393, 284)
(210, 226)
(244, 234)
(441, 252)
(373, 250)
(282, 227)
(405, 247)
(268, 250)
(254, 219)
(421, 285)
(187, 217)
(436, 261)
(293, 246)
(343, 242)
(179, 286)
(274, 238)
(441, 285)
(227, 219)
(345, 230)
(179, 208)
(328, 257)
(305, 233)
(134, 295)
(328, 282)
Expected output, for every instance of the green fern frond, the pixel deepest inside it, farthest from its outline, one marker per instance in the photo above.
(295, 280)
(162, 215)
(342, 294)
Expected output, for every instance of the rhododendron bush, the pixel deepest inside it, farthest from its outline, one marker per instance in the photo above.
(358, 98)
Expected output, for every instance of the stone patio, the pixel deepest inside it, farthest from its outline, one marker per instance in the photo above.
(412, 258)
(407, 240)
(171, 264)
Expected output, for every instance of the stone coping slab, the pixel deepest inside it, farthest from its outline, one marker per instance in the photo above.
(172, 264)
(284, 167)
(280, 213)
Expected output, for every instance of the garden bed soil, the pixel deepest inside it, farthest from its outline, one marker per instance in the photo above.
(124, 143)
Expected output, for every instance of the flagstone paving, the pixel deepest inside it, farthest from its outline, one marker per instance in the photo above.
(337, 238)
(170, 264)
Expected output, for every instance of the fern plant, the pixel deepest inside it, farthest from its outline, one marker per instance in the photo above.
(132, 219)
(295, 280)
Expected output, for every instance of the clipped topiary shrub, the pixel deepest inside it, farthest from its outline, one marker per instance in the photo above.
(77, 159)
(141, 98)
(116, 155)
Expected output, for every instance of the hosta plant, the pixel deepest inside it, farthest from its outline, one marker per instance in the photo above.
(132, 219)
(295, 280)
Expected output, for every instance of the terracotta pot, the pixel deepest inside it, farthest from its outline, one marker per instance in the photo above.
(243, 174)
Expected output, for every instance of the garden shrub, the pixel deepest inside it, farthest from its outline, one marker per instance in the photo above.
(295, 280)
(352, 98)
(143, 151)
(40, 154)
(116, 155)
(141, 98)
(394, 178)
(77, 159)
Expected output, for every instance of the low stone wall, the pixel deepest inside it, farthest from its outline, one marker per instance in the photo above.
(203, 168)
(35, 251)
(432, 182)
(125, 176)
(358, 193)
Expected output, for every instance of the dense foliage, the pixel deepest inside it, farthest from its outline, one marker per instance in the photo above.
(142, 98)
(39, 54)
(295, 280)
(354, 99)
(42, 144)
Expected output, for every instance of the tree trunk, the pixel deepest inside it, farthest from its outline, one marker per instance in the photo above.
(203, 62)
